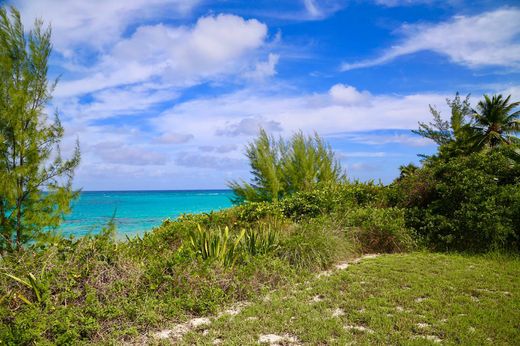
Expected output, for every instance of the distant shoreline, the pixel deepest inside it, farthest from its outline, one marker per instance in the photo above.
(182, 190)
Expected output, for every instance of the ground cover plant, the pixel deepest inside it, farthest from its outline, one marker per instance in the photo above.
(400, 299)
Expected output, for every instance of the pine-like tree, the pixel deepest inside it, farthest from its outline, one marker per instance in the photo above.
(280, 167)
(35, 181)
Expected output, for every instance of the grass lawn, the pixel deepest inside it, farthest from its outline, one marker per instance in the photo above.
(413, 299)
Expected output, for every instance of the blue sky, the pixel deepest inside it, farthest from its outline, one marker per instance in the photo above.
(164, 94)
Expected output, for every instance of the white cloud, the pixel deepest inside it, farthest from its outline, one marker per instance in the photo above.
(113, 102)
(346, 154)
(488, 39)
(231, 114)
(219, 149)
(311, 8)
(348, 94)
(316, 10)
(187, 159)
(120, 153)
(264, 69)
(249, 127)
(178, 56)
(96, 23)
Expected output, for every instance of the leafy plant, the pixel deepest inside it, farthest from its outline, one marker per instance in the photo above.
(495, 122)
(33, 283)
(217, 245)
(471, 202)
(260, 240)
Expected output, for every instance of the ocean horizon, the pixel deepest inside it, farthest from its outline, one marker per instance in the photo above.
(138, 211)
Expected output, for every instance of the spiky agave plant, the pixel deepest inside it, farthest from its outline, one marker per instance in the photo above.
(216, 245)
(260, 240)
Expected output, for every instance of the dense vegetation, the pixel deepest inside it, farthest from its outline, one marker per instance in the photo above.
(298, 216)
(95, 288)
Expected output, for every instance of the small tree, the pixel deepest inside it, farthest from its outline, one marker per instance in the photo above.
(444, 132)
(280, 167)
(35, 181)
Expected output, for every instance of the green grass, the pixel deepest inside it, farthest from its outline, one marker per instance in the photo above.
(414, 299)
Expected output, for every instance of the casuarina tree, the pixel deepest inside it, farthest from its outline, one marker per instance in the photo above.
(35, 180)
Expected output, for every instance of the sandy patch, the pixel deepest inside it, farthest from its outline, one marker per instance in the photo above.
(273, 339)
(359, 328)
(338, 312)
(432, 338)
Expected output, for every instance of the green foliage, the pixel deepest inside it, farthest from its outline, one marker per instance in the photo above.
(444, 132)
(260, 241)
(33, 283)
(311, 247)
(217, 245)
(226, 249)
(256, 211)
(495, 123)
(30, 159)
(377, 230)
(466, 203)
(281, 168)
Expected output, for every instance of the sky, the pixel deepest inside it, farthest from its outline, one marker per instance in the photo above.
(165, 94)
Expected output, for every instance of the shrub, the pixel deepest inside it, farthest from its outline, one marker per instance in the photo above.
(473, 203)
(378, 229)
(312, 246)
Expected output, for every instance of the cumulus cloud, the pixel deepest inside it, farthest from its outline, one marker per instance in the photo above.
(288, 113)
(249, 126)
(347, 94)
(96, 23)
(487, 39)
(178, 56)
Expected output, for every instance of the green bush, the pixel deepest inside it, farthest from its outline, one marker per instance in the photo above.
(472, 203)
(378, 229)
(312, 246)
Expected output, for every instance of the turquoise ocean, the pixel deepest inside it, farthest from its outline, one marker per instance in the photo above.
(138, 211)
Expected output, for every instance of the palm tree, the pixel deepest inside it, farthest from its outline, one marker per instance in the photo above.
(495, 123)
